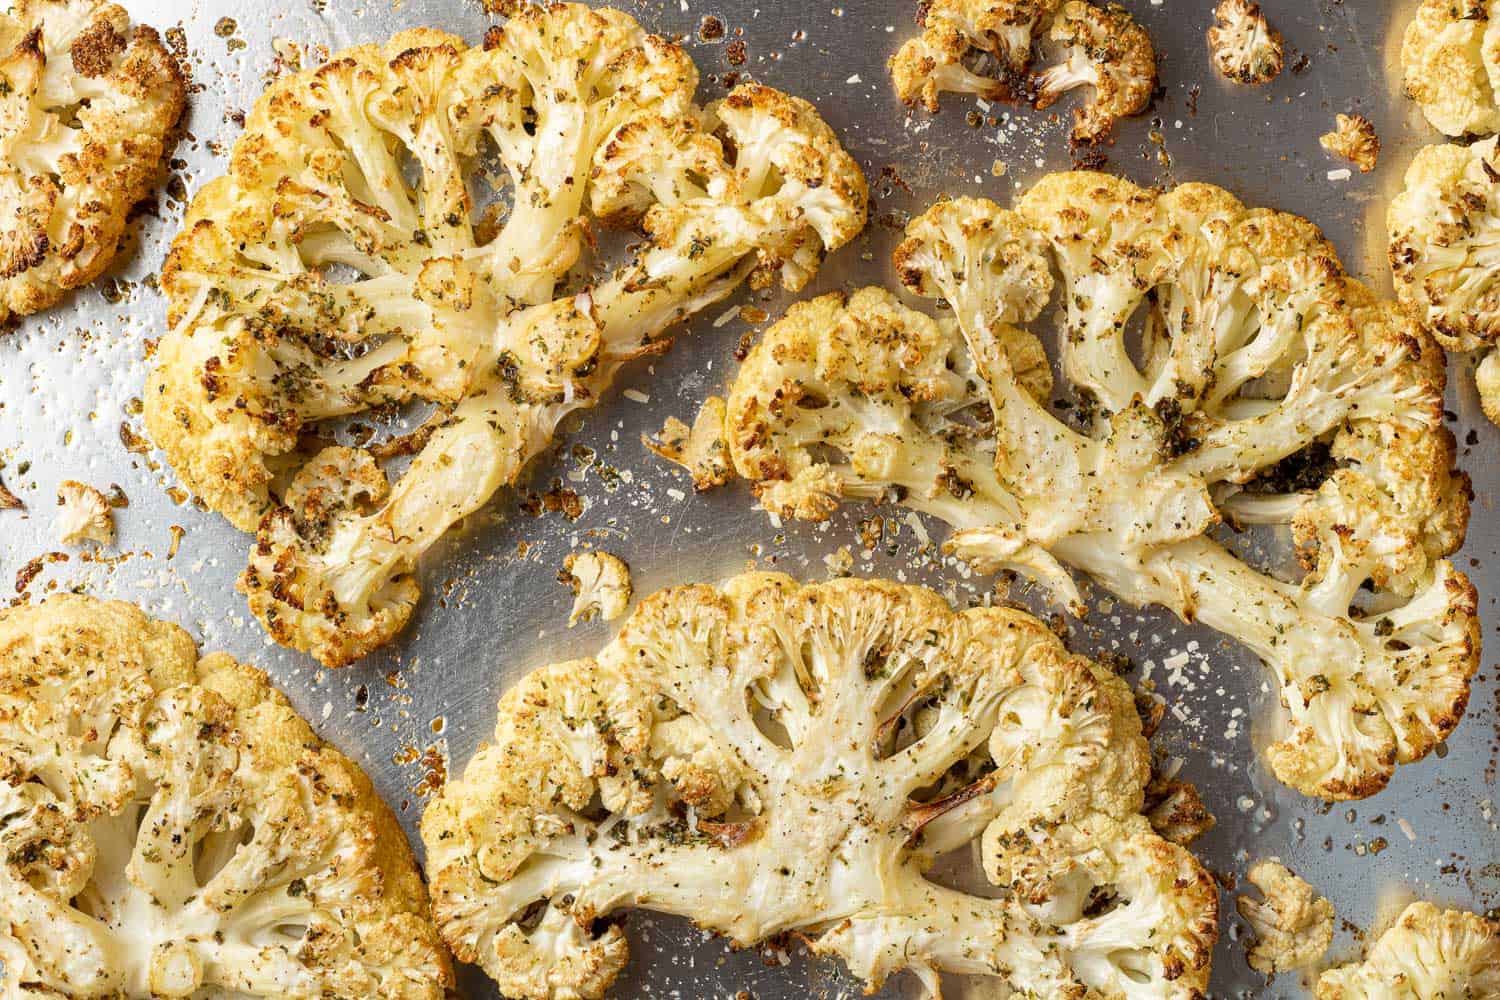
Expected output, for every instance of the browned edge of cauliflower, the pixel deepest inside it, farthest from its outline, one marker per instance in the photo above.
(169, 823)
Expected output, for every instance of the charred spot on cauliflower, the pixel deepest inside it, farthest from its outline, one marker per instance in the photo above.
(347, 263)
(84, 514)
(979, 47)
(1102, 48)
(1354, 138)
(1450, 59)
(600, 582)
(86, 104)
(1246, 49)
(1292, 924)
(797, 757)
(1429, 954)
(169, 827)
(1258, 357)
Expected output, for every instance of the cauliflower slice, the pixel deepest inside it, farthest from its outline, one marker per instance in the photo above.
(86, 106)
(1450, 60)
(84, 515)
(1429, 954)
(171, 828)
(980, 47)
(1246, 49)
(1269, 388)
(1105, 49)
(600, 583)
(1354, 138)
(1293, 925)
(797, 757)
(316, 281)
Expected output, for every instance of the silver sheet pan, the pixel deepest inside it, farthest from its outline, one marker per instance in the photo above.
(69, 380)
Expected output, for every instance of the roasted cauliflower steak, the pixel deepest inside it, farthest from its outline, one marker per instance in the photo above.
(1429, 954)
(86, 106)
(1444, 231)
(346, 263)
(169, 827)
(768, 758)
(1225, 371)
(1450, 61)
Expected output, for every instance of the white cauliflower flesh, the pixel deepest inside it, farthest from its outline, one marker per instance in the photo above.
(1429, 954)
(1245, 48)
(979, 47)
(83, 514)
(1105, 50)
(1444, 231)
(169, 827)
(1291, 923)
(346, 263)
(86, 105)
(1266, 388)
(1450, 60)
(600, 583)
(768, 759)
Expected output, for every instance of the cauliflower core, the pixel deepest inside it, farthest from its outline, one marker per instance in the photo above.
(770, 759)
(1450, 59)
(86, 102)
(1293, 925)
(1429, 954)
(985, 48)
(1444, 230)
(1245, 48)
(1354, 138)
(83, 514)
(1224, 369)
(169, 827)
(601, 585)
(346, 263)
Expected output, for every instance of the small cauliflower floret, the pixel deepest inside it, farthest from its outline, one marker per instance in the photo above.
(1292, 924)
(1450, 59)
(344, 264)
(1355, 140)
(86, 105)
(1264, 387)
(84, 514)
(1176, 810)
(1429, 954)
(1246, 49)
(980, 47)
(1105, 49)
(170, 827)
(700, 449)
(600, 583)
(797, 758)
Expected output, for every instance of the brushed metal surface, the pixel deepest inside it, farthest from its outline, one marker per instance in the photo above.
(492, 607)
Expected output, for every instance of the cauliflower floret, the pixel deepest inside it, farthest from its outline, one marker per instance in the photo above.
(955, 32)
(84, 514)
(1246, 49)
(1355, 140)
(700, 449)
(1176, 810)
(1450, 59)
(317, 280)
(1293, 925)
(1258, 357)
(600, 583)
(1105, 49)
(1429, 954)
(797, 757)
(86, 106)
(169, 827)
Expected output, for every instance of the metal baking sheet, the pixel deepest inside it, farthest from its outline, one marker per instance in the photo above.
(69, 382)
